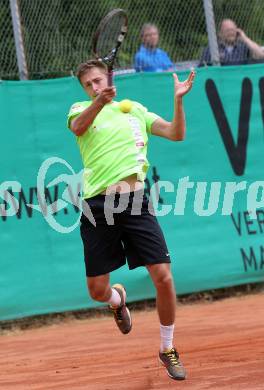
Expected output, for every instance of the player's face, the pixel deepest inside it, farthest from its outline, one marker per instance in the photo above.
(151, 37)
(94, 81)
(228, 32)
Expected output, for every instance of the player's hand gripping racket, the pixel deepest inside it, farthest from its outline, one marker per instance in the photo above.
(109, 37)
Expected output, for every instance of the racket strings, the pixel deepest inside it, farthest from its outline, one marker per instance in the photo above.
(111, 36)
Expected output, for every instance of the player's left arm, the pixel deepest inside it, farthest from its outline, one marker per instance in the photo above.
(175, 130)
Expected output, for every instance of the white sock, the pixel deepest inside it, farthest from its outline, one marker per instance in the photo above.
(115, 298)
(166, 337)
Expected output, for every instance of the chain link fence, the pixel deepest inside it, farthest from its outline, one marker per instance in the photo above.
(8, 61)
(57, 34)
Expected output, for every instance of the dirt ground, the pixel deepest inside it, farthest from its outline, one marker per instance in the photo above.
(221, 344)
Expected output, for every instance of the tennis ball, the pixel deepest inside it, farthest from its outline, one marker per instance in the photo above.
(125, 105)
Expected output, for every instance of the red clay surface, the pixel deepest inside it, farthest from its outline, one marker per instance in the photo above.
(221, 345)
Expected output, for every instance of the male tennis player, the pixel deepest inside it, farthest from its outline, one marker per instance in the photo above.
(113, 147)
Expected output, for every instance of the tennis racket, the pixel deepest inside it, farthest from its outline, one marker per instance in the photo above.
(108, 38)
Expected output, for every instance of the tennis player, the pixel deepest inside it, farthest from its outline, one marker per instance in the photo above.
(113, 147)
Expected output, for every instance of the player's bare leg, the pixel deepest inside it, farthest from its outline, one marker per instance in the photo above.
(99, 287)
(166, 295)
(166, 307)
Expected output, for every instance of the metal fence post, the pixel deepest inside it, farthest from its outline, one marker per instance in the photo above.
(20, 50)
(211, 31)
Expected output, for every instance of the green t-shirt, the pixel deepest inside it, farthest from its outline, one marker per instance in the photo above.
(114, 146)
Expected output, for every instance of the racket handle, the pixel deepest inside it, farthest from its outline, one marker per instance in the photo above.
(110, 78)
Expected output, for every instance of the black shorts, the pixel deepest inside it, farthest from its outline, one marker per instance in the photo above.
(132, 234)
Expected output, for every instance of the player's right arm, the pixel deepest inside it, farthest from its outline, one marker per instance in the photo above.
(80, 124)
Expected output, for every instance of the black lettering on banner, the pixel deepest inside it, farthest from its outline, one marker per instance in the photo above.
(260, 219)
(155, 178)
(50, 201)
(261, 94)
(9, 203)
(237, 153)
(244, 224)
(75, 200)
(261, 265)
(147, 187)
(249, 222)
(237, 223)
(33, 193)
(50, 197)
(4, 207)
(23, 201)
(249, 261)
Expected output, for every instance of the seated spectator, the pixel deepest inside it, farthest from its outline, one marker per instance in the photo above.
(235, 47)
(150, 58)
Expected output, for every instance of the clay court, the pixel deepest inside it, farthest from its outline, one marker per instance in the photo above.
(221, 344)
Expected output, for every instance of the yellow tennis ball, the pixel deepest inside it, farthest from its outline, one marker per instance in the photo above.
(125, 105)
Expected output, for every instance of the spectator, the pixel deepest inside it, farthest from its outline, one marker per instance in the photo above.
(150, 58)
(235, 47)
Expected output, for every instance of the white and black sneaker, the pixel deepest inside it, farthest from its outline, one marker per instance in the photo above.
(121, 313)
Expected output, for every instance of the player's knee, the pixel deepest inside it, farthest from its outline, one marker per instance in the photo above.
(97, 293)
(164, 280)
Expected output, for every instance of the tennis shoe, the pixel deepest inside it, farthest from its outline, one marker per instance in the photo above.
(121, 313)
(170, 360)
